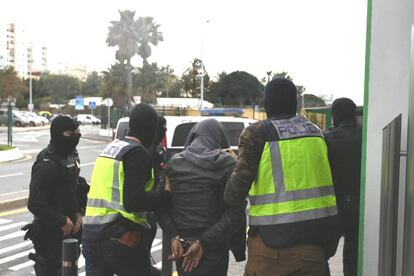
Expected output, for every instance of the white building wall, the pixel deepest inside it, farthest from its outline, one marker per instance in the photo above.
(20, 51)
(388, 96)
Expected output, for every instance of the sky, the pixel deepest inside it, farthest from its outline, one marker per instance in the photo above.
(320, 43)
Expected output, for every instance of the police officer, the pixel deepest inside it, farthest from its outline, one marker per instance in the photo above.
(115, 224)
(344, 142)
(57, 197)
(283, 166)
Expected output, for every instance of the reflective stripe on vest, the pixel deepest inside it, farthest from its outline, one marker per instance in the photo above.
(294, 181)
(106, 193)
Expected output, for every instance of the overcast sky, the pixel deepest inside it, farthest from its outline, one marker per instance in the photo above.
(321, 43)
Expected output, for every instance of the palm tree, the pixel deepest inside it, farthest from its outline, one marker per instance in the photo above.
(147, 34)
(132, 37)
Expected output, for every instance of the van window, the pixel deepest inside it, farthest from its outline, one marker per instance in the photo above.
(232, 129)
(123, 128)
(180, 134)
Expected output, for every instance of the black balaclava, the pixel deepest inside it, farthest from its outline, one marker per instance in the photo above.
(280, 98)
(63, 145)
(143, 123)
(343, 109)
(161, 130)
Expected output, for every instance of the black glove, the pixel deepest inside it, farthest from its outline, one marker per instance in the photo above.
(32, 229)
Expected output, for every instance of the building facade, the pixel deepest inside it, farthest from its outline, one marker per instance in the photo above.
(17, 52)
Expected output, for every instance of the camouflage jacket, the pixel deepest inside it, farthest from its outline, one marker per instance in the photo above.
(251, 146)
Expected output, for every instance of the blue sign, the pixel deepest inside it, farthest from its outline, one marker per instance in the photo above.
(79, 103)
(92, 105)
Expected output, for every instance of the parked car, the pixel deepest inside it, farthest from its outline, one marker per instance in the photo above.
(178, 128)
(34, 120)
(87, 119)
(18, 118)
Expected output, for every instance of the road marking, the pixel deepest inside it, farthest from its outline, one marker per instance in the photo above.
(16, 246)
(13, 235)
(81, 261)
(3, 221)
(155, 242)
(13, 212)
(156, 248)
(15, 256)
(13, 225)
(20, 266)
(12, 193)
(87, 164)
(13, 174)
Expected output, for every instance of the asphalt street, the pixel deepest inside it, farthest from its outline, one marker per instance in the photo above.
(14, 250)
(15, 176)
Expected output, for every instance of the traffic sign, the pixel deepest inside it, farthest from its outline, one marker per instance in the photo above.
(79, 103)
(107, 102)
(92, 105)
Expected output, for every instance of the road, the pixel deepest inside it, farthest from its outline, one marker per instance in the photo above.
(14, 250)
(14, 182)
(15, 176)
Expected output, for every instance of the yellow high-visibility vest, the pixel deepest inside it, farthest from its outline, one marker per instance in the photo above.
(105, 197)
(294, 181)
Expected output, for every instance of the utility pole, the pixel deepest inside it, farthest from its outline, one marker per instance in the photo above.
(30, 107)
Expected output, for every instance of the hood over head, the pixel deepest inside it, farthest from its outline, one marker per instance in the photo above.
(160, 130)
(343, 110)
(204, 143)
(143, 123)
(280, 97)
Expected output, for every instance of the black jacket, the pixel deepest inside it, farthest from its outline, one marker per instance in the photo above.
(56, 190)
(198, 209)
(344, 149)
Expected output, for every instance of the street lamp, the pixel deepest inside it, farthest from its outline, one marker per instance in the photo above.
(30, 106)
(201, 65)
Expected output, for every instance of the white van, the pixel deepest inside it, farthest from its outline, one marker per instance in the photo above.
(178, 128)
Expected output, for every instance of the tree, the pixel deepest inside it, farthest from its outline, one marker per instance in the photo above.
(92, 85)
(132, 37)
(147, 34)
(11, 86)
(152, 80)
(314, 101)
(191, 79)
(238, 88)
(114, 85)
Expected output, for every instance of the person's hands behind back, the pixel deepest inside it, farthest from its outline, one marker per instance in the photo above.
(193, 256)
(67, 227)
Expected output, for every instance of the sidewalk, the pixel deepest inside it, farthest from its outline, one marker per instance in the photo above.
(335, 264)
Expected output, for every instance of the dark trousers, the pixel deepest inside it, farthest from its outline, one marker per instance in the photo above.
(111, 257)
(47, 258)
(48, 252)
(215, 262)
(348, 208)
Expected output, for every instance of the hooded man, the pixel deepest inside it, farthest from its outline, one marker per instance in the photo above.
(121, 194)
(283, 167)
(200, 224)
(344, 142)
(57, 196)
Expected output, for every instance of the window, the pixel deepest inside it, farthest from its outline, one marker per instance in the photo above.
(232, 129)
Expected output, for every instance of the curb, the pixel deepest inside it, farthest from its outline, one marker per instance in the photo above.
(98, 138)
(15, 203)
(10, 155)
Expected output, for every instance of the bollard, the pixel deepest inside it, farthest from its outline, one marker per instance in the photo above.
(166, 249)
(70, 257)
